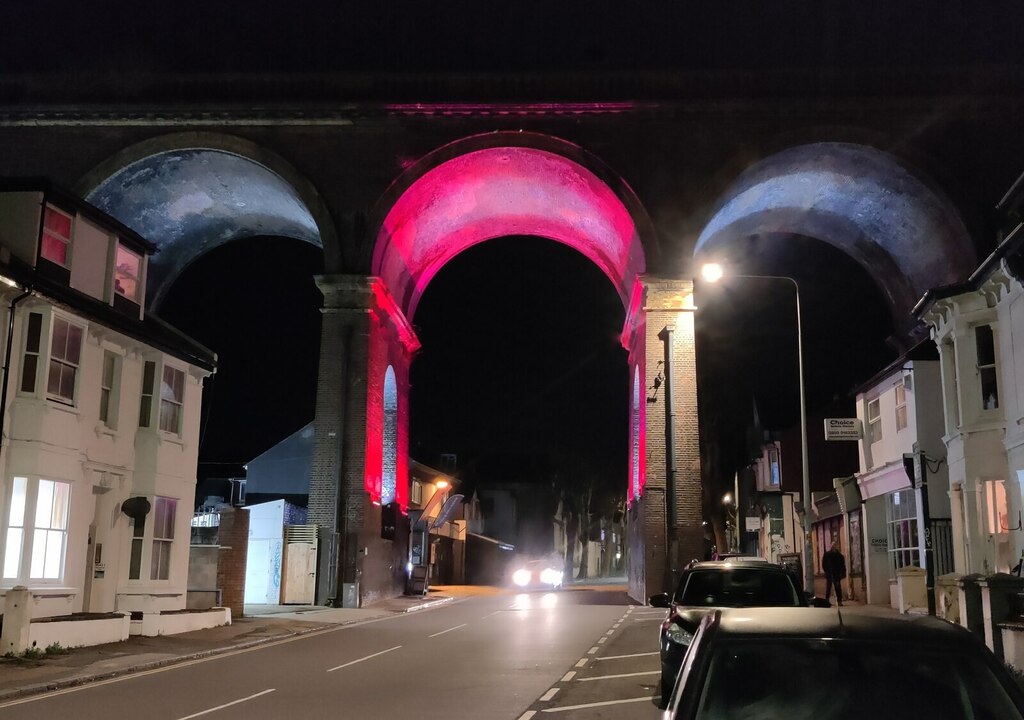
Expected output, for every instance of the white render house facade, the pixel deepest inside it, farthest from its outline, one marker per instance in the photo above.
(974, 324)
(901, 412)
(100, 415)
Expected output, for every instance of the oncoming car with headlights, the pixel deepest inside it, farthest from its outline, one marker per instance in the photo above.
(537, 575)
(707, 586)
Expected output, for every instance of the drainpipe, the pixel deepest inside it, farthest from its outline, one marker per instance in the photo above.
(670, 454)
(7, 358)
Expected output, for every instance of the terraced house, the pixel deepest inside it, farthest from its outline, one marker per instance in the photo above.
(100, 411)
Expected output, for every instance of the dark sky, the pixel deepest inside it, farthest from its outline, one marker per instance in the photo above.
(481, 36)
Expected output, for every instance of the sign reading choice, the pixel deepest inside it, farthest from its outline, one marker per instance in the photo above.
(842, 429)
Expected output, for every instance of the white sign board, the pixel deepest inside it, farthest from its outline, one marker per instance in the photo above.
(842, 429)
(753, 524)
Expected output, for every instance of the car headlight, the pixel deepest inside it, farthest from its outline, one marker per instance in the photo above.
(550, 576)
(678, 634)
(521, 577)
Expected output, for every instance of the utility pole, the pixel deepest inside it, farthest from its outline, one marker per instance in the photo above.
(917, 469)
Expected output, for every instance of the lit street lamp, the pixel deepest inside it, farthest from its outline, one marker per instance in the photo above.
(712, 272)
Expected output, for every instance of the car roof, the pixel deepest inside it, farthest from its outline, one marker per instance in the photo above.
(729, 563)
(832, 623)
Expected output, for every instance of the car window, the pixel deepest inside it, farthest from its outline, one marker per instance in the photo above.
(849, 680)
(738, 587)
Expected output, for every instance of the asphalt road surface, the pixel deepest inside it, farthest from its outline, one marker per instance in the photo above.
(574, 654)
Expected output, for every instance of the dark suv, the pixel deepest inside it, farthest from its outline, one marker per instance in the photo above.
(706, 586)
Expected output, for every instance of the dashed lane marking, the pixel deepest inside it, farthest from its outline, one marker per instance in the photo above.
(221, 707)
(549, 694)
(527, 715)
(622, 675)
(567, 708)
(568, 676)
(368, 657)
(623, 657)
(592, 650)
(448, 630)
(581, 663)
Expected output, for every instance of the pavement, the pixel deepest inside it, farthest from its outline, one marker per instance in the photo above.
(259, 625)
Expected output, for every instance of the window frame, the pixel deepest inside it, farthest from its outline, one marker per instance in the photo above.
(987, 370)
(178, 404)
(37, 355)
(67, 242)
(901, 406)
(160, 572)
(63, 361)
(902, 554)
(144, 541)
(122, 245)
(30, 532)
(110, 389)
(874, 423)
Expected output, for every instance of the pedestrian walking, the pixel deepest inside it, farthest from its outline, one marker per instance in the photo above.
(834, 566)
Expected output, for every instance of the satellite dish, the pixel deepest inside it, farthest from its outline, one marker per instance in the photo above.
(137, 508)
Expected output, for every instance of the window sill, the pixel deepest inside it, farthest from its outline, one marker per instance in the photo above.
(40, 590)
(102, 430)
(61, 406)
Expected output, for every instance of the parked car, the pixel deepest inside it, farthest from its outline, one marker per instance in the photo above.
(706, 586)
(788, 663)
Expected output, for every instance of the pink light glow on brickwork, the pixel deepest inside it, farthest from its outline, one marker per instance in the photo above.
(500, 192)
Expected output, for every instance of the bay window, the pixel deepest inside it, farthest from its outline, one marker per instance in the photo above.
(36, 529)
(172, 397)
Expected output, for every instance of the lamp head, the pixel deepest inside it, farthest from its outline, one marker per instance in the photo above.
(441, 484)
(712, 272)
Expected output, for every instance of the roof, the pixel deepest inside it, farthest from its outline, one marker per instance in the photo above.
(151, 330)
(63, 197)
(832, 623)
(924, 350)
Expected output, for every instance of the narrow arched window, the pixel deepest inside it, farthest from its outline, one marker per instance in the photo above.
(635, 459)
(390, 439)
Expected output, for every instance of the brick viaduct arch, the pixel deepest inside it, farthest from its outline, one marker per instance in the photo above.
(492, 185)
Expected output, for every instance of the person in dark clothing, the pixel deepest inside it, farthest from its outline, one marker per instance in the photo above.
(833, 564)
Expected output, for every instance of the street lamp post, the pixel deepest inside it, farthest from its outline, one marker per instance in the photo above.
(713, 272)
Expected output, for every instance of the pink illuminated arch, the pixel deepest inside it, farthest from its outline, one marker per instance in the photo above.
(449, 204)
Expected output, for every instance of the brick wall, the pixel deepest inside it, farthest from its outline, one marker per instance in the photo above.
(233, 536)
(666, 549)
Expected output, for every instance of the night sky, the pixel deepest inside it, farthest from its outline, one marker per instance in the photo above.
(520, 353)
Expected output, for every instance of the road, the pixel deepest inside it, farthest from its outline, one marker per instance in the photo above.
(576, 654)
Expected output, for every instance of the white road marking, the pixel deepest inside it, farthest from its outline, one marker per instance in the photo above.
(592, 650)
(492, 615)
(623, 657)
(382, 652)
(549, 694)
(601, 641)
(581, 663)
(527, 715)
(610, 632)
(607, 677)
(221, 707)
(598, 704)
(448, 630)
(568, 676)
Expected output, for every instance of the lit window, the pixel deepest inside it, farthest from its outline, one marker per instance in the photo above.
(985, 343)
(56, 236)
(65, 354)
(416, 493)
(43, 541)
(902, 539)
(874, 421)
(163, 538)
(108, 409)
(901, 406)
(127, 271)
(172, 396)
(775, 477)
